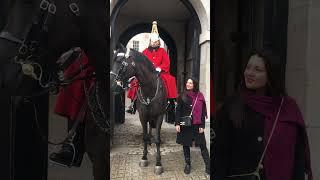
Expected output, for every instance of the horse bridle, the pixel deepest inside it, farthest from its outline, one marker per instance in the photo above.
(29, 46)
(119, 76)
(120, 82)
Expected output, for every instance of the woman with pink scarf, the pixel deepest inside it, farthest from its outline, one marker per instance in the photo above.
(192, 102)
(260, 132)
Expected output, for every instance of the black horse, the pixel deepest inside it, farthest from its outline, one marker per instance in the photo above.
(151, 95)
(37, 32)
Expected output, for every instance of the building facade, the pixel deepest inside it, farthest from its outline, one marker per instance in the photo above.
(184, 26)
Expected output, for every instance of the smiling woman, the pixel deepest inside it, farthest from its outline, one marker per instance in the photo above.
(255, 74)
(192, 104)
(263, 119)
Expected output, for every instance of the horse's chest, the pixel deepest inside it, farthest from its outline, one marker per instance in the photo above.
(153, 109)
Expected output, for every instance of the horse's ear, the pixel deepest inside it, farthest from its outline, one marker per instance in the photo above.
(122, 47)
(133, 52)
(115, 53)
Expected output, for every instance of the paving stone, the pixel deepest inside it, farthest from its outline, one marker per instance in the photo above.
(127, 151)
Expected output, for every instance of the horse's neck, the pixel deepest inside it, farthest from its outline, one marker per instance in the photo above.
(147, 80)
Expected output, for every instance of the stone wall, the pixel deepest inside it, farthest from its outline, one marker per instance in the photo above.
(303, 63)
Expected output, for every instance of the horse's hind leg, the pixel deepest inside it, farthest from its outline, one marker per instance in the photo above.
(144, 160)
(158, 168)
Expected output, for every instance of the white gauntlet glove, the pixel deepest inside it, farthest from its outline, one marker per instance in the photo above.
(158, 69)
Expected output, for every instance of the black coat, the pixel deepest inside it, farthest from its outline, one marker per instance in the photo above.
(189, 134)
(238, 150)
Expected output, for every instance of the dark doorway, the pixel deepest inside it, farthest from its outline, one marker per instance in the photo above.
(117, 115)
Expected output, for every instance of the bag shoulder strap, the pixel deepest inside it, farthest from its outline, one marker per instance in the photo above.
(194, 104)
(271, 133)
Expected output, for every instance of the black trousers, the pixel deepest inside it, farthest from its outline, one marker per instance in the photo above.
(204, 153)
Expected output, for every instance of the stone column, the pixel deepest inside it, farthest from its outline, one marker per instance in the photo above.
(303, 63)
(204, 80)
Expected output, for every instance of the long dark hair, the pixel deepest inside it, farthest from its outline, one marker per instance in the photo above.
(274, 69)
(195, 84)
(275, 83)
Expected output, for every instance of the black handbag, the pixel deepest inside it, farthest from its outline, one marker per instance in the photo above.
(187, 120)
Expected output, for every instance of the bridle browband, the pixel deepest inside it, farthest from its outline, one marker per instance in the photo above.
(118, 76)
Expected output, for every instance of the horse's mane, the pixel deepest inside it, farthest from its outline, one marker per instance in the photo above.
(139, 57)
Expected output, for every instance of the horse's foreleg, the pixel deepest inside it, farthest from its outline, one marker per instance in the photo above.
(150, 134)
(144, 160)
(158, 168)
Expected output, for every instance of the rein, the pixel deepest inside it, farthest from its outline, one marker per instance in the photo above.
(120, 82)
(148, 101)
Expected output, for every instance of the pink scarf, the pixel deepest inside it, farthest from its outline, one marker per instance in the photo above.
(279, 159)
(200, 104)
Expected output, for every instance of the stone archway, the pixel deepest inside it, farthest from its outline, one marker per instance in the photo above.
(200, 11)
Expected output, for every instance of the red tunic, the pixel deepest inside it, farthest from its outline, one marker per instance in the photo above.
(71, 97)
(160, 59)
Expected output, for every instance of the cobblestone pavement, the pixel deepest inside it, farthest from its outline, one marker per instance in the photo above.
(127, 151)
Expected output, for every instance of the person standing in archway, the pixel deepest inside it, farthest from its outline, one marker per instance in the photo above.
(161, 61)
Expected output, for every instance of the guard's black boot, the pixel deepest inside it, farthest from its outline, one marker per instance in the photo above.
(71, 153)
(132, 109)
(67, 156)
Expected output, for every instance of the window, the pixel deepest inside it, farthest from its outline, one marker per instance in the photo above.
(135, 45)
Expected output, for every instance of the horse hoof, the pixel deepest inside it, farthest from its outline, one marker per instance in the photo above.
(158, 170)
(143, 163)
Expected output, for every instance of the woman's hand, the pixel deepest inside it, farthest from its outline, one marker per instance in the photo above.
(201, 130)
(178, 128)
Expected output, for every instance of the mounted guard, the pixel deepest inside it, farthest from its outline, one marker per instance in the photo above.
(161, 61)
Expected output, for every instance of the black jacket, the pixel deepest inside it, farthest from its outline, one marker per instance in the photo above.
(238, 150)
(189, 134)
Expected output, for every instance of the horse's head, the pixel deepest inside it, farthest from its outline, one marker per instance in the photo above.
(35, 35)
(122, 70)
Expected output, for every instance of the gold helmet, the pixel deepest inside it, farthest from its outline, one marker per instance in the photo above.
(154, 35)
